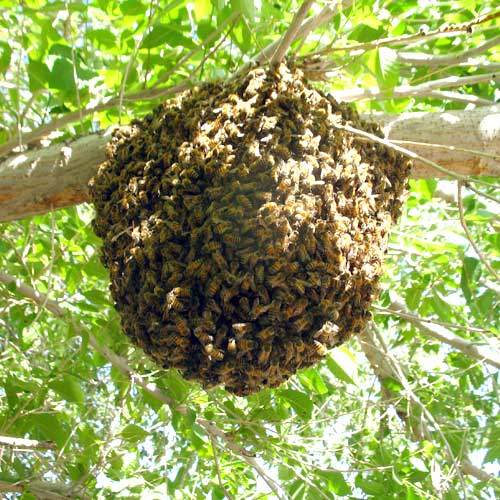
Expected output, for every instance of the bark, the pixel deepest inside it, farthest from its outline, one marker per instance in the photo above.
(40, 180)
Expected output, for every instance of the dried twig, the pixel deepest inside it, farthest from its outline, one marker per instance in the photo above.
(311, 24)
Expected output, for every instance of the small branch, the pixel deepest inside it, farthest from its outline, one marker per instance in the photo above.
(479, 474)
(394, 309)
(143, 95)
(350, 95)
(444, 95)
(435, 60)
(310, 25)
(444, 335)
(217, 468)
(446, 31)
(482, 258)
(27, 444)
(291, 33)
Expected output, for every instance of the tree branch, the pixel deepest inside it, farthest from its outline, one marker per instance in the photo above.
(291, 33)
(351, 95)
(436, 60)
(27, 444)
(57, 176)
(444, 335)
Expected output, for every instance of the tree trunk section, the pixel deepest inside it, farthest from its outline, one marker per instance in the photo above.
(41, 180)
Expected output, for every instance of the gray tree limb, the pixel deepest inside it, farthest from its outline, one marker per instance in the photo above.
(40, 180)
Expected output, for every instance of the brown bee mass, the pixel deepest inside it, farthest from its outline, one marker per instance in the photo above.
(244, 230)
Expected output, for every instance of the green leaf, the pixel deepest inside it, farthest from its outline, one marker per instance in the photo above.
(132, 8)
(48, 425)
(61, 76)
(387, 67)
(299, 401)
(163, 34)
(5, 54)
(471, 271)
(68, 388)
(341, 363)
(336, 482)
(364, 33)
(134, 433)
(39, 74)
(102, 38)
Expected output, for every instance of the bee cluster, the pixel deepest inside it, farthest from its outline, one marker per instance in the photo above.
(244, 231)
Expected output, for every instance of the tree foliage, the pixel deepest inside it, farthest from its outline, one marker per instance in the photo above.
(407, 410)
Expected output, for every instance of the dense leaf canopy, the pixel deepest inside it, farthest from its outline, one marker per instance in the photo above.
(409, 409)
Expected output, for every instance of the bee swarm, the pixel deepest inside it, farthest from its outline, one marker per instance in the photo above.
(244, 231)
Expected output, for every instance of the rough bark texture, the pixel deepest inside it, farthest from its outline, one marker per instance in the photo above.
(56, 177)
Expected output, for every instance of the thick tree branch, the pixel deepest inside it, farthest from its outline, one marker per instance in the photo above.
(57, 176)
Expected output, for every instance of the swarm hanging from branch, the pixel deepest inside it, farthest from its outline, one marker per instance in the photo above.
(243, 230)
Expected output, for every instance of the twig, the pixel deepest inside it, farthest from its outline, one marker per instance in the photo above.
(28, 444)
(73, 64)
(422, 59)
(143, 95)
(291, 33)
(444, 95)
(310, 25)
(482, 258)
(350, 95)
(392, 369)
(398, 309)
(217, 468)
(447, 31)
(444, 335)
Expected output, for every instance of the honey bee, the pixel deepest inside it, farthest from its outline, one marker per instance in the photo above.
(183, 327)
(137, 253)
(231, 239)
(266, 334)
(212, 246)
(264, 353)
(301, 324)
(245, 345)
(231, 345)
(214, 306)
(244, 305)
(219, 260)
(201, 334)
(275, 266)
(241, 329)
(320, 349)
(182, 342)
(259, 274)
(213, 286)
